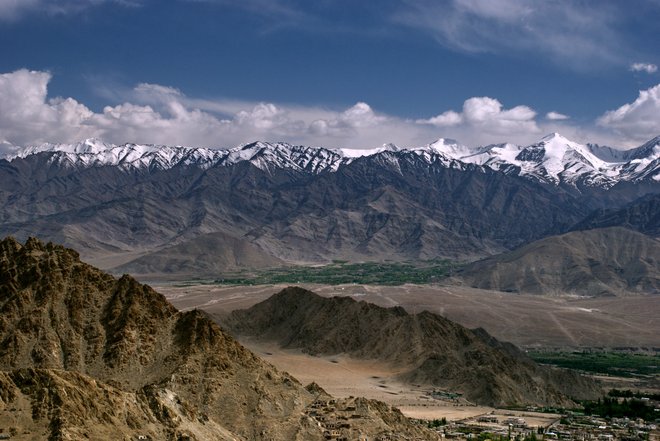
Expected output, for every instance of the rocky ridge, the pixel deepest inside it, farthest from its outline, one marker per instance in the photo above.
(427, 347)
(554, 159)
(304, 204)
(641, 215)
(85, 355)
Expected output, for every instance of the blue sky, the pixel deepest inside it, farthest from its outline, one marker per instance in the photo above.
(335, 73)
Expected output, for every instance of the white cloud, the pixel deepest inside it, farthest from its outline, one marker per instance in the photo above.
(26, 115)
(12, 9)
(445, 119)
(164, 115)
(638, 120)
(580, 35)
(151, 113)
(487, 116)
(644, 67)
(556, 116)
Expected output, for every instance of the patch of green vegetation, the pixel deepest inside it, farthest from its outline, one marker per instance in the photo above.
(627, 393)
(340, 272)
(619, 408)
(620, 364)
(437, 423)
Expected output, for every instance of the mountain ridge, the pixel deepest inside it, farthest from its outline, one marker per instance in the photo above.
(427, 347)
(295, 204)
(553, 160)
(641, 215)
(594, 262)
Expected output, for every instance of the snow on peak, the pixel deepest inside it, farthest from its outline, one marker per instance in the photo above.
(88, 146)
(451, 148)
(357, 153)
(389, 147)
(553, 160)
(554, 136)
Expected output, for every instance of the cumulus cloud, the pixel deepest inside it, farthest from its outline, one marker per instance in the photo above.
(574, 34)
(488, 116)
(644, 67)
(556, 116)
(637, 120)
(164, 115)
(445, 119)
(26, 115)
(151, 113)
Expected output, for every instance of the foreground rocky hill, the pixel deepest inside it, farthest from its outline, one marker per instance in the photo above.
(86, 356)
(599, 262)
(429, 348)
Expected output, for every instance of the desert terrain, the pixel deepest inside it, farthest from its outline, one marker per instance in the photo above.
(343, 376)
(526, 320)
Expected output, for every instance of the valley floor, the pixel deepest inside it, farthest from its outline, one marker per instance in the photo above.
(343, 376)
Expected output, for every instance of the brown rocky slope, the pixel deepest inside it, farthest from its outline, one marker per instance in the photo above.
(84, 355)
(600, 262)
(204, 256)
(430, 348)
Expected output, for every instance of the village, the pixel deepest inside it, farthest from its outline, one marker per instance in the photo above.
(532, 425)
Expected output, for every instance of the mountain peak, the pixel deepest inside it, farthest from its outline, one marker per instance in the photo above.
(451, 148)
(554, 136)
(445, 141)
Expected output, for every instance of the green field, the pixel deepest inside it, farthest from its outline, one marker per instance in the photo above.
(339, 272)
(622, 364)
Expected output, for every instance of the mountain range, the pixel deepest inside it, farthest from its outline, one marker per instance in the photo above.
(310, 204)
(554, 159)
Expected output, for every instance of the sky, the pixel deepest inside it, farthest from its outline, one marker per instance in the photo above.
(332, 73)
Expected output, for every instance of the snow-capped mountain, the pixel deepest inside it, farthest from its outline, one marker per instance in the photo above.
(303, 203)
(553, 160)
(264, 155)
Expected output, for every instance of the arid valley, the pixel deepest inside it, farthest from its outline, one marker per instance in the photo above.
(529, 321)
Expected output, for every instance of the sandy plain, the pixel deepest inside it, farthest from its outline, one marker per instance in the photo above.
(343, 376)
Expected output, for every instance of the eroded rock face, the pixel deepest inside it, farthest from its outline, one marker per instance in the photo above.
(430, 348)
(83, 354)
